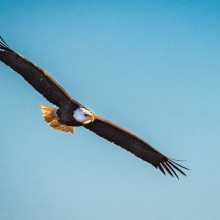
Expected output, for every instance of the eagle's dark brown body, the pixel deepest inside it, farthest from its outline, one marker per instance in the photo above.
(65, 114)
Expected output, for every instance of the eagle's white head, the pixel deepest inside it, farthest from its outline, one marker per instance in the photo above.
(83, 115)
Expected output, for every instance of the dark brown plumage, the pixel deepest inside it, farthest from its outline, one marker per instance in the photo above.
(70, 113)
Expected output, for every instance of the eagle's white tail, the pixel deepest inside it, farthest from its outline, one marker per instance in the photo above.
(50, 116)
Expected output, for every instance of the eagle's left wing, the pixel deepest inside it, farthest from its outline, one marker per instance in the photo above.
(134, 144)
(36, 77)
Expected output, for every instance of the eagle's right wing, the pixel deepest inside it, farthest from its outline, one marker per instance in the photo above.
(134, 144)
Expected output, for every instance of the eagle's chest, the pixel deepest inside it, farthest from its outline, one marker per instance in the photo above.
(66, 117)
(72, 122)
(75, 117)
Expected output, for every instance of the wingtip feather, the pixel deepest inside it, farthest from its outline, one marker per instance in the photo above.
(171, 168)
(3, 44)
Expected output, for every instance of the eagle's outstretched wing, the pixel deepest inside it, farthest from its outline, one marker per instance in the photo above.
(36, 76)
(134, 144)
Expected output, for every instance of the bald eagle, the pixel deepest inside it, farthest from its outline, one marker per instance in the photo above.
(70, 113)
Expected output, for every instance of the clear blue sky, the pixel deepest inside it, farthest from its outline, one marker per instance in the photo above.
(152, 67)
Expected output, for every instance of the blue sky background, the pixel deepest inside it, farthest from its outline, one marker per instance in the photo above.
(152, 67)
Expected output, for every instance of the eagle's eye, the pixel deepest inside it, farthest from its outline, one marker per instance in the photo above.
(86, 115)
